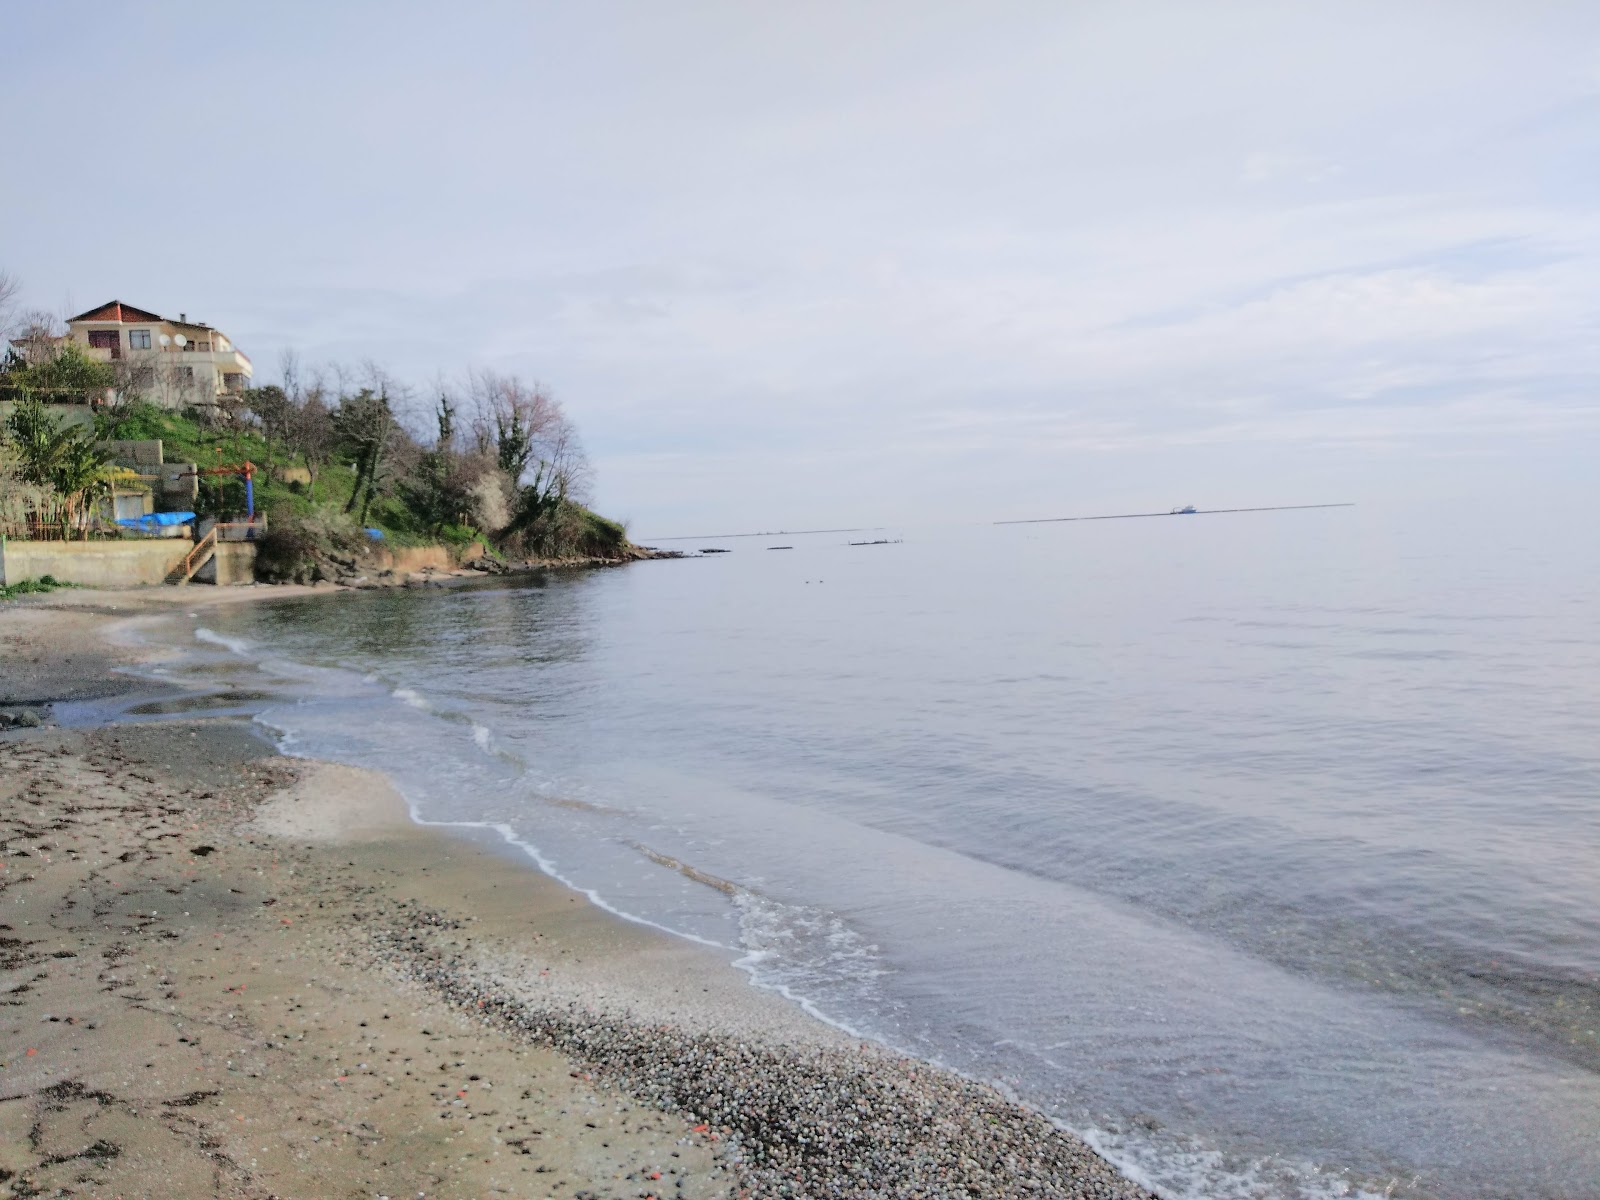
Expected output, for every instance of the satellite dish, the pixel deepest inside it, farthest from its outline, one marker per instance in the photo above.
(180, 339)
(164, 340)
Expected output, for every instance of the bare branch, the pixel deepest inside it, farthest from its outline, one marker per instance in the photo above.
(10, 289)
(289, 371)
(37, 336)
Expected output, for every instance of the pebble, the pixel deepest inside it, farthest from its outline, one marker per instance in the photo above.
(788, 1120)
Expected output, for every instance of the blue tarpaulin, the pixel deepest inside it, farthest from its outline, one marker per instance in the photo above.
(157, 520)
(375, 534)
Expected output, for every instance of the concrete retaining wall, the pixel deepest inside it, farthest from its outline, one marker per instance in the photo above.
(235, 562)
(416, 558)
(135, 563)
(94, 564)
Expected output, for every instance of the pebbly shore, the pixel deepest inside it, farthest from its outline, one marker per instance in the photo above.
(798, 1120)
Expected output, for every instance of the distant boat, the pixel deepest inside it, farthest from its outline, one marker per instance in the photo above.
(1178, 512)
(780, 547)
(880, 542)
(715, 550)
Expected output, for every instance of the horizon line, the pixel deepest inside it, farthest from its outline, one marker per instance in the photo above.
(711, 537)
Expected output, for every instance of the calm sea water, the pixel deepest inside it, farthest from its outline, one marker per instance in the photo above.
(1262, 849)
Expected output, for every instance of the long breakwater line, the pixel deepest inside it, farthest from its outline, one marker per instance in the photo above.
(1177, 512)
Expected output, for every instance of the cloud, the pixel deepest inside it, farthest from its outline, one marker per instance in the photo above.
(1265, 167)
(754, 249)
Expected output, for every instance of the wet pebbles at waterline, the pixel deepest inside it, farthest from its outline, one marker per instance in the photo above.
(802, 1121)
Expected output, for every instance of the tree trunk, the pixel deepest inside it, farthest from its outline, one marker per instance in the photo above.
(361, 475)
(372, 482)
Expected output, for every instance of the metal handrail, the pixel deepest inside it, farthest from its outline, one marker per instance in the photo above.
(188, 559)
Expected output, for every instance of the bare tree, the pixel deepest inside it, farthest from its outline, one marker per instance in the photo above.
(523, 428)
(37, 336)
(10, 289)
(528, 432)
(308, 430)
(289, 370)
(179, 385)
(561, 467)
(135, 380)
(509, 417)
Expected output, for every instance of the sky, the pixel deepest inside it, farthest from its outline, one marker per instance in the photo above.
(792, 265)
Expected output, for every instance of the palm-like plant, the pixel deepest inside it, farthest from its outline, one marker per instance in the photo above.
(80, 475)
(67, 461)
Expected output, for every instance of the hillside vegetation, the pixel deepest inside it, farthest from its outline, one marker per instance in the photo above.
(340, 460)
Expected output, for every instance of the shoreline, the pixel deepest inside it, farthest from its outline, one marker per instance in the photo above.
(735, 1089)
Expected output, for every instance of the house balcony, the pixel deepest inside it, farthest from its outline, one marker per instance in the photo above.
(197, 354)
(229, 362)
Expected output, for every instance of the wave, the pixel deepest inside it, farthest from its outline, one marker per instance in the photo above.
(548, 867)
(1181, 1169)
(237, 645)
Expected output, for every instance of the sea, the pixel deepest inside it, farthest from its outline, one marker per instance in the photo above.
(1260, 849)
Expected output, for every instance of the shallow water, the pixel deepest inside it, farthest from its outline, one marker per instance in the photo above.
(1262, 849)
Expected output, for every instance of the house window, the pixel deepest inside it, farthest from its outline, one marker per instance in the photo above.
(186, 374)
(106, 339)
(233, 380)
(138, 339)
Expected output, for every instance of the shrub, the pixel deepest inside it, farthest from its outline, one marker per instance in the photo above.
(28, 587)
(572, 531)
(312, 546)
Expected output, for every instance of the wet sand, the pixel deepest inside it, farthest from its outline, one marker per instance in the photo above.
(228, 973)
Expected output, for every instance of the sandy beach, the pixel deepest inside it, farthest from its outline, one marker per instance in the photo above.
(231, 973)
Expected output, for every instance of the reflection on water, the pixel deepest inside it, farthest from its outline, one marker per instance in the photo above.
(206, 702)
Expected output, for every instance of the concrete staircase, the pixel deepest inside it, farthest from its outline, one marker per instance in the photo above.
(202, 552)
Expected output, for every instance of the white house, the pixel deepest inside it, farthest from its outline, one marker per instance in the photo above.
(174, 363)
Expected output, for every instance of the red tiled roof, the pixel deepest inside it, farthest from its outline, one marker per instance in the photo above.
(116, 310)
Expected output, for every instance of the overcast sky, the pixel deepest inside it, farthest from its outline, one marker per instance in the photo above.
(794, 264)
